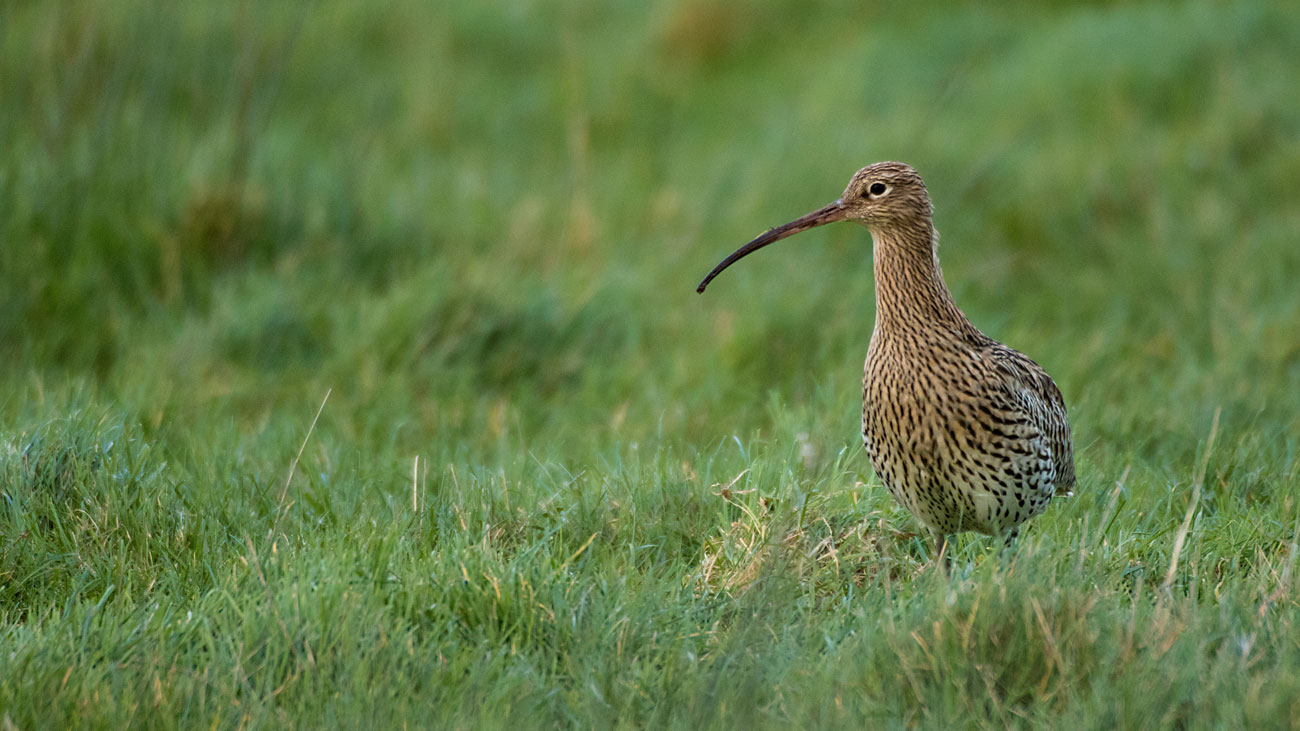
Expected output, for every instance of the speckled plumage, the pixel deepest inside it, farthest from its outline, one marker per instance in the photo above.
(963, 431)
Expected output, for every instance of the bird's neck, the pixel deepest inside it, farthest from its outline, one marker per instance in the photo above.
(910, 291)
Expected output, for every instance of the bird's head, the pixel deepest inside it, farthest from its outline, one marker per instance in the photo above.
(886, 194)
(880, 196)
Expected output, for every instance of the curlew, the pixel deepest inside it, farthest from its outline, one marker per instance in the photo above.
(964, 432)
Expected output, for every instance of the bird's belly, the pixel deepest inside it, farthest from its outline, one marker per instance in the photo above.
(929, 463)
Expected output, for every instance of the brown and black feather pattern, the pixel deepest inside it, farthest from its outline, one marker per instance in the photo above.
(965, 432)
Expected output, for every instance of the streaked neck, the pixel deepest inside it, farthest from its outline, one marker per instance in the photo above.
(910, 291)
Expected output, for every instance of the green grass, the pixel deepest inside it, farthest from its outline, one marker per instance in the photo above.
(551, 486)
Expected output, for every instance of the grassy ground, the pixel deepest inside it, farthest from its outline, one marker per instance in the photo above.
(550, 485)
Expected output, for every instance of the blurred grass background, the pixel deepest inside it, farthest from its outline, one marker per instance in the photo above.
(550, 485)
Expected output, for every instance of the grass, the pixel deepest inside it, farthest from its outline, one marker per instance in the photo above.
(548, 485)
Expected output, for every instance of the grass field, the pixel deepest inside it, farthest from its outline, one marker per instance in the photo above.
(352, 374)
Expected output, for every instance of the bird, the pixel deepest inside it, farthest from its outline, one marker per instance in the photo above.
(964, 432)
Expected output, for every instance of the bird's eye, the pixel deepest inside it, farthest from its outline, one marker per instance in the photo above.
(878, 189)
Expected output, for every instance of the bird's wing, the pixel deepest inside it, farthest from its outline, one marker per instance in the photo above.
(1041, 400)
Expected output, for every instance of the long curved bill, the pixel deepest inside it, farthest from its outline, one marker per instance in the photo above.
(829, 214)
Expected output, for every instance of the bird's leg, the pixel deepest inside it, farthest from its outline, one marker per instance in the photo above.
(1008, 541)
(941, 552)
(1010, 536)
